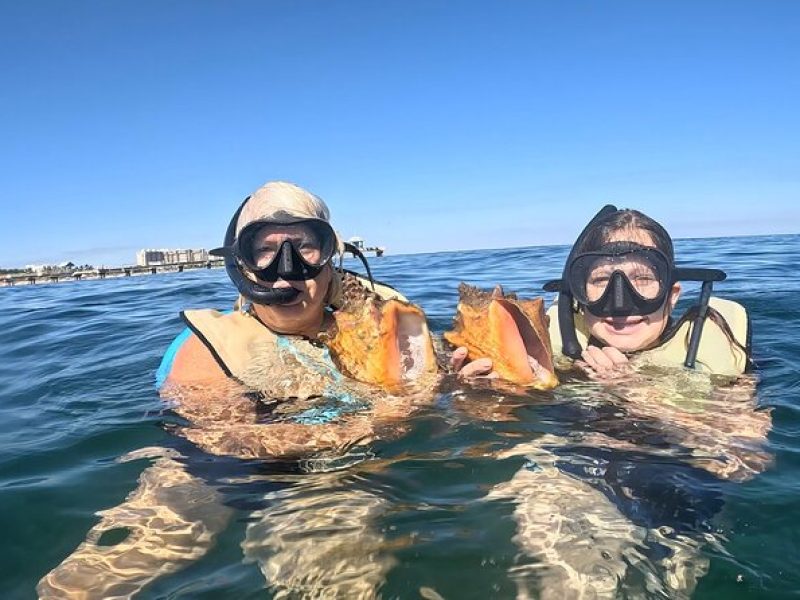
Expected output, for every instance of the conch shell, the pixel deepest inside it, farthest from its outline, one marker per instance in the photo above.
(511, 332)
(383, 342)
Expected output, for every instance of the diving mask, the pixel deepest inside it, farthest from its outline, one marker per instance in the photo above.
(621, 279)
(293, 251)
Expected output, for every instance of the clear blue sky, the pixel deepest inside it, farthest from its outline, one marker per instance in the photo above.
(426, 125)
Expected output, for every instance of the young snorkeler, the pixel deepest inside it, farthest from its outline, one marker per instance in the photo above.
(616, 297)
(638, 481)
(255, 382)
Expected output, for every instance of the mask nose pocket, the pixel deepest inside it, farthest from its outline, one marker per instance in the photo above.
(618, 291)
(285, 262)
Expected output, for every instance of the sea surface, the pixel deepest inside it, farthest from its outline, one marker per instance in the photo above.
(462, 503)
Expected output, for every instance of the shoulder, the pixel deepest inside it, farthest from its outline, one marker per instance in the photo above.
(189, 358)
(194, 363)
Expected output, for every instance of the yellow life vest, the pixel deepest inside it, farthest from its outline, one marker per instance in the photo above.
(717, 354)
(278, 365)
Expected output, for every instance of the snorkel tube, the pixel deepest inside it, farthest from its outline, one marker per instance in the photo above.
(248, 288)
(356, 251)
(566, 312)
(708, 277)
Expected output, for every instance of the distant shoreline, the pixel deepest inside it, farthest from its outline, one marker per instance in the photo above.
(25, 279)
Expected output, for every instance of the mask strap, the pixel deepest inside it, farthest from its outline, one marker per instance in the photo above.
(570, 345)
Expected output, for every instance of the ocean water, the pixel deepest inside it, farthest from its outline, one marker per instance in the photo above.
(462, 503)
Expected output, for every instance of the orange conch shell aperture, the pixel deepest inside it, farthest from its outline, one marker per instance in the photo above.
(511, 332)
(384, 342)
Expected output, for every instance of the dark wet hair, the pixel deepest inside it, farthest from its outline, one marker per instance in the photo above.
(627, 219)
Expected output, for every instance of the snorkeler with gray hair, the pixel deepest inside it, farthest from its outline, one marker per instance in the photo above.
(259, 382)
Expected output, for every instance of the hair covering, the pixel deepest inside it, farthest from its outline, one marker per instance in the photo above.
(283, 202)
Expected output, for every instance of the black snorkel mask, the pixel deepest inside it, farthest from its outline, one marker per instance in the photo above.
(290, 262)
(621, 279)
(622, 293)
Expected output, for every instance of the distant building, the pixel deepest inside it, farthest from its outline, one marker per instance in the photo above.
(145, 258)
(39, 270)
(153, 258)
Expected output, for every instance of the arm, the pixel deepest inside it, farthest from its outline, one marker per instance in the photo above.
(722, 426)
(169, 521)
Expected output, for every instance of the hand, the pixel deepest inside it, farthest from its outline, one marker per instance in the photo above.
(481, 367)
(604, 363)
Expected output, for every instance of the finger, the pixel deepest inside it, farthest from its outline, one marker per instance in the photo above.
(457, 358)
(588, 361)
(587, 369)
(476, 368)
(617, 358)
(591, 360)
(598, 357)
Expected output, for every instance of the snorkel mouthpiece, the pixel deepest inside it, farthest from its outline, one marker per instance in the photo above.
(283, 295)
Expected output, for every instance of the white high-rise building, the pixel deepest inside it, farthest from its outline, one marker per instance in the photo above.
(153, 258)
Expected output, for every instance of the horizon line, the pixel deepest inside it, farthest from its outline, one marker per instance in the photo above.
(710, 237)
(390, 254)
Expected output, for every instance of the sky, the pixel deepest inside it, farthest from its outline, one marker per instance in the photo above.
(426, 125)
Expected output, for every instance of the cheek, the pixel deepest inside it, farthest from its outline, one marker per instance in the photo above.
(318, 287)
(655, 327)
(591, 321)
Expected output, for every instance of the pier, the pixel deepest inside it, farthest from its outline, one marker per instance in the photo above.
(169, 261)
(106, 272)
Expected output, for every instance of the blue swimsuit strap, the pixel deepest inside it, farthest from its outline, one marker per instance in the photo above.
(341, 400)
(169, 357)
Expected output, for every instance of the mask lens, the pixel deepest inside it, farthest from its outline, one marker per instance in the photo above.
(260, 243)
(645, 279)
(591, 273)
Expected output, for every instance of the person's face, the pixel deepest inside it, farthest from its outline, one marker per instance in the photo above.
(304, 314)
(633, 332)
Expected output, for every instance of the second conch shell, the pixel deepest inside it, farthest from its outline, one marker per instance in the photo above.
(384, 342)
(511, 332)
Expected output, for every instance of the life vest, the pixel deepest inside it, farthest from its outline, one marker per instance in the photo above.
(724, 345)
(277, 365)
